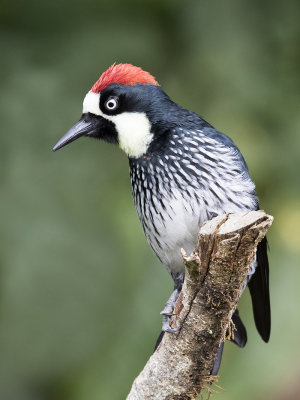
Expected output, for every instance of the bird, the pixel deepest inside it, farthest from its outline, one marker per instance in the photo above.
(183, 172)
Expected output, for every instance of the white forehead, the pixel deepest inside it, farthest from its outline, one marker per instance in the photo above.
(91, 103)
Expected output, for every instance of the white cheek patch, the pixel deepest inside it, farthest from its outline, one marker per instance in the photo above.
(133, 128)
(134, 132)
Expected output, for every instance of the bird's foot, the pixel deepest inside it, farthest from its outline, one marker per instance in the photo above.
(166, 324)
(168, 312)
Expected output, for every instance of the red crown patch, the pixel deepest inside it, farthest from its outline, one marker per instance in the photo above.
(124, 74)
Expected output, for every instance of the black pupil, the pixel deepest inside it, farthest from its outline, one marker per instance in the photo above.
(111, 104)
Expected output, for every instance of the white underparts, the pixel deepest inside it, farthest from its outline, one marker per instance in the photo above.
(133, 128)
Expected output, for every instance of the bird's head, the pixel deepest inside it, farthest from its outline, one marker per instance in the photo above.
(122, 107)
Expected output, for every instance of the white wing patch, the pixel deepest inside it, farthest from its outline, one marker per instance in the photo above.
(133, 128)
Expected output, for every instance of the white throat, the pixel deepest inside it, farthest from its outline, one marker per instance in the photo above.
(134, 132)
(133, 128)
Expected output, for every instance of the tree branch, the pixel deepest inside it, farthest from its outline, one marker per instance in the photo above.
(215, 273)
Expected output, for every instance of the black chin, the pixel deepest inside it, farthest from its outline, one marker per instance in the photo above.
(102, 128)
(107, 132)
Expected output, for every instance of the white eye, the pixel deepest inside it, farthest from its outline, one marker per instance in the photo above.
(111, 103)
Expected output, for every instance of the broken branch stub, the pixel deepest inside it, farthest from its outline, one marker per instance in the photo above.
(215, 273)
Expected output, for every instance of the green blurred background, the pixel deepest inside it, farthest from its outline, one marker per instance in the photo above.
(80, 289)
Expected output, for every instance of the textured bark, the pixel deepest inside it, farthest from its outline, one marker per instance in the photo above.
(215, 273)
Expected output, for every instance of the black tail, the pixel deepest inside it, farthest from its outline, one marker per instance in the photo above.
(239, 333)
(259, 290)
(217, 362)
(159, 339)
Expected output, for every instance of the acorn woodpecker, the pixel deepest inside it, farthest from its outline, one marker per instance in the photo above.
(183, 172)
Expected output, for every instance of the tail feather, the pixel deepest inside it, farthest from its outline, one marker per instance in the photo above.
(239, 333)
(259, 291)
(159, 339)
(217, 362)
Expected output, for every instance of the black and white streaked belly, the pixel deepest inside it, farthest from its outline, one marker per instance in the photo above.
(170, 223)
(175, 192)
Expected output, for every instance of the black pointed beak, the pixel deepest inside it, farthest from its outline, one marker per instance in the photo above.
(88, 125)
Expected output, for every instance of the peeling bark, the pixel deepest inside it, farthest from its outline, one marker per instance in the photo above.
(215, 273)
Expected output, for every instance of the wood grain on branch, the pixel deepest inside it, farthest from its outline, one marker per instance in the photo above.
(215, 273)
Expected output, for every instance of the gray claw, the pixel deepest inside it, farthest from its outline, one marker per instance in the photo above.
(171, 330)
(166, 326)
(166, 313)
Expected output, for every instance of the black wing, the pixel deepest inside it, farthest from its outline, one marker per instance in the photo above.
(259, 290)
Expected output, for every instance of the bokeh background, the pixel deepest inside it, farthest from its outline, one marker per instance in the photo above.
(80, 290)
